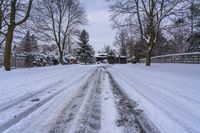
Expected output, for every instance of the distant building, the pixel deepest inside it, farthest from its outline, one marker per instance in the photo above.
(121, 60)
(103, 58)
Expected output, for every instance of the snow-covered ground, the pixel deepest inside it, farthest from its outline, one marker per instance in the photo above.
(74, 98)
(23, 91)
(22, 83)
(168, 93)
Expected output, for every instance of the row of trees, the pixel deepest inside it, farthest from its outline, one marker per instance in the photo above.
(155, 27)
(36, 55)
(52, 21)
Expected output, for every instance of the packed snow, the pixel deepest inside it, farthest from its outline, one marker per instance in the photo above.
(32, 99)
(168, 93)
(26, 82)
(109, 112)
(21, 87)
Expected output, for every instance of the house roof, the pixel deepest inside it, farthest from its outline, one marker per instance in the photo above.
(101, 55)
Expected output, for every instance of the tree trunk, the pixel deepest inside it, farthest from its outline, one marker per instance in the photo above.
(8, 47)
(148, 58)
(11, 26)
(61, 57)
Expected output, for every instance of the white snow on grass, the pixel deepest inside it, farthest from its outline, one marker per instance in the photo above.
(168, 93)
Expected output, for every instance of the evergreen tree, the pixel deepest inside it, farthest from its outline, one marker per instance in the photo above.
(111, 57)
(194, 41)
(85, 52)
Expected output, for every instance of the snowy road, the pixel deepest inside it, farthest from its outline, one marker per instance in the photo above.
(101, 99)
(168, 93)
(41, 91)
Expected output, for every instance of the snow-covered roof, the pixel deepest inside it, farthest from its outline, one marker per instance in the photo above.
(101, 55)
(121, 56)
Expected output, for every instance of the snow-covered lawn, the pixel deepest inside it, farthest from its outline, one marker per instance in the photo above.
(168, 93)
(35, 99)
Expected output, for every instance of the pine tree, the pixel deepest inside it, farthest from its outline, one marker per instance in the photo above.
(111, 57)
(85, 52)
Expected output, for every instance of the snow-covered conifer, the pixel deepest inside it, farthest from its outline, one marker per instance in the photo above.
(85, 52)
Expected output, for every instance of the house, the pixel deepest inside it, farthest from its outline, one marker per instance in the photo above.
(121, 59)
(101, 57)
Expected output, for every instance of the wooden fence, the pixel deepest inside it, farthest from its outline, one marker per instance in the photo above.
(17, 61)
(189, 58)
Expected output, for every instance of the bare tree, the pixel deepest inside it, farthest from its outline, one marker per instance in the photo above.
(121, 42)
(149, 18)
(130, 40)
(106, 49)
(57, 21)
(4, 4)
(14, 19)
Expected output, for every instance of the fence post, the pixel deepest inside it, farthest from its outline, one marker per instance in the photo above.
(170, 59)
(182, 59)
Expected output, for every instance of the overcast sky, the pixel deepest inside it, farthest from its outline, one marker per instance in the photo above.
(99, 26)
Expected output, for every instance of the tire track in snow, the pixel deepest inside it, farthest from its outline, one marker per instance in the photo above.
(48, 87)
(133, 120)
(165, 109)
(167, 90)
(21, 99)
(16, 118)
(77, 115)
(110, 113)
(90, 118)
(83, 114)
(26, 85)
